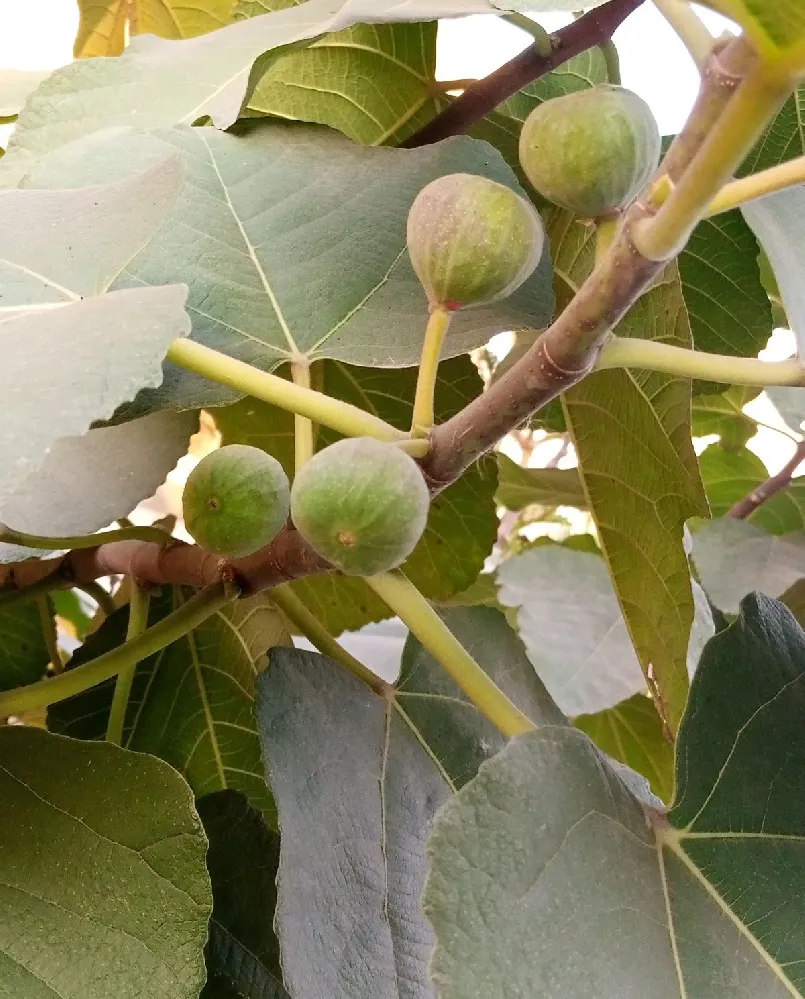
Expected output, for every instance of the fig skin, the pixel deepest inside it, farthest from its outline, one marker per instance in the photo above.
(236, 500)
(472, 241)
(591, 152)
(361, 504)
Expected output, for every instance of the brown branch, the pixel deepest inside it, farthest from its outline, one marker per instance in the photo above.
(485, 95)
(776, 483)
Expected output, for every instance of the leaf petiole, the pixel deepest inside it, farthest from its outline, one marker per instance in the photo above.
(70, 543)
(138, 622)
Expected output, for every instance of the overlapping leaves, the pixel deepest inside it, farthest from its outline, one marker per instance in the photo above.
(706, 896)
(192, 703)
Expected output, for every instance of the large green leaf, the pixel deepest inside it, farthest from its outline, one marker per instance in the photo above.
(23, 654)
(462, 524)
(549, 877)
(357, 779)
(293, 242)
(733, 558)
(117, 910)
(243, 951)
(632, 733)
(192, 703)
(59, 252)
(519, 487)
(574, 631)
(722, 413)
(374, 83)
(165, 82)
(87, 482)
(632, 434)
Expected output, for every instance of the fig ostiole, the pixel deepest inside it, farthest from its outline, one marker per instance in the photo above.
(361, 504)
(472, 241)
(592, 151)
(236, 500)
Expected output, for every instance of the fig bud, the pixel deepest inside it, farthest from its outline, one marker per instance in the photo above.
(236, 500)
(361, 504)
(472, 241)
(591, 152)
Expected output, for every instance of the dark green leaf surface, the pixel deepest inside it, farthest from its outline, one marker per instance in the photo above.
(23, 654)
(105, 893)
(604, 896)
(191, 704)
(462, 524)
(357, 779)
(242, 953)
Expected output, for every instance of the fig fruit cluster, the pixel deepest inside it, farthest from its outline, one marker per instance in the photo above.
(360, 503)
(591, 152)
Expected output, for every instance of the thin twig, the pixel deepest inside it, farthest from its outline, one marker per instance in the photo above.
(776, 483)
(478, 100)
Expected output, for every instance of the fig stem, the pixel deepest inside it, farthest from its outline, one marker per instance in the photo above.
(759, 96)
(690, 28)
(315, 632)
(396, 590)
(49, 632)
(605, 232)
(424, 418)
(138, 622)
(184, 619)
(758, 185)
(543, 42)
(341, 416)
(304, 446)
(612, 61)
(72, 542)
(625, 352)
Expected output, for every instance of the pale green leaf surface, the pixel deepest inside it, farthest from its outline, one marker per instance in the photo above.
(374, 83)
(573, 629)
(87, 482)
(243, 951)
(632, 433)
(733, 558)
(632, 733)
(23, 653)
(293, 242)
(602, 896)
(127, 891)
(722, 414)
(519, 487)
(116, 344)
(790, 404)
(15, 86)
(166, 82)
(462, 524)
(191, 704)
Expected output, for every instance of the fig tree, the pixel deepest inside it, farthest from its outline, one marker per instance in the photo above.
(472, 241)
(236, 500)
(591, 152)
(361, 504)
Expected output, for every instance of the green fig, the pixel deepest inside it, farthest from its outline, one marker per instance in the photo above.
(472, 241)
(236, 500)
(591, 152)
(361, 504)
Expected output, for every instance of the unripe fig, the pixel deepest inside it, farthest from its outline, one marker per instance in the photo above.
(592, 151)
(472, 241)
(361, 504)
(236, 500)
